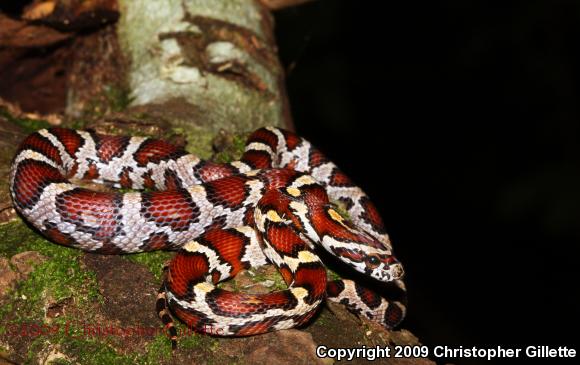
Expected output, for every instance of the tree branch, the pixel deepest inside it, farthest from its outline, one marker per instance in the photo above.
(280, 4)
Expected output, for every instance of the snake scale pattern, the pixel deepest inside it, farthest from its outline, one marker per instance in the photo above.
(276, 205)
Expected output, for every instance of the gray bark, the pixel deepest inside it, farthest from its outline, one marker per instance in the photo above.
(214, 61)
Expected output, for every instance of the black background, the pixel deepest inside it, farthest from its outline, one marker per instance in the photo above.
(460, 119)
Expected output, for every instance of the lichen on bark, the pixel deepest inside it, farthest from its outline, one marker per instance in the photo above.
(218, 57)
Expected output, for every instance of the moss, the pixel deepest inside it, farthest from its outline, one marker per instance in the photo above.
(117, 98)
(62, 277)
(29, 125)
(113, 98)
(341, 209)
(54, 280)
(193, 340)
(84, 351)
(61, 362)
(91, 351)
(332, 275)
(186, 337)
(198, 140)
(158, 349)
(16, 237)
(77, 124)
(325, 317)
(59, 278)
(233, 150)
(261, 274)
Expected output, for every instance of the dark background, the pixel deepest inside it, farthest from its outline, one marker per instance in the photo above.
(461, 121)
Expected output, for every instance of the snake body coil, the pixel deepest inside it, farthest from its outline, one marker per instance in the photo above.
(271, 206)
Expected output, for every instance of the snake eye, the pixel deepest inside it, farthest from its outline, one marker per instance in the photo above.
(373, 261)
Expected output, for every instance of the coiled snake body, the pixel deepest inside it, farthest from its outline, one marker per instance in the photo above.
(271, 206)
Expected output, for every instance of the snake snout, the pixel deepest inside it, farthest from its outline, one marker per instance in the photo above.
(397, 271)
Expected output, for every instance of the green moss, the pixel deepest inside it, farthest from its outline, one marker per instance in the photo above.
(332, 275)
(77, 124)
(89, 351)
(341, 209)
(158, 349)
(233, 151)
(16, 237)
(30, 125)
(114, 98)
(62, 277)
(117, 98)
(61, 362)
(259, 275)
(198, 140)
(52, 281)
(82, 350)
(58, 278)
(192, 340)
(85, 351)
(187, 339)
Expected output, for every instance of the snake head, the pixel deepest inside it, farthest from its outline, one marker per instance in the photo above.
(359, 249)
(383, 267)
(377, 263)
(320, 222)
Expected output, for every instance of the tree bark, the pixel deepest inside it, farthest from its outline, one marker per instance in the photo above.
(212, 63)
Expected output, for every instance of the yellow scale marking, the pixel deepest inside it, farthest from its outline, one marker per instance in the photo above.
(191, 246)
(337, 217)
(299, 292)
(205, 287)
(334, 215)
(304, 180)
(293, 191)
(273, 216)
(307, 256)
